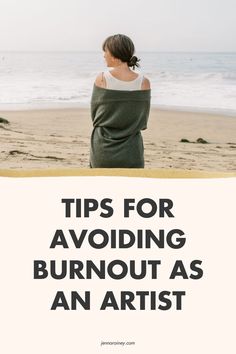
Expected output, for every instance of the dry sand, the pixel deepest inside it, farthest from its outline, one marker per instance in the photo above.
(59, 138)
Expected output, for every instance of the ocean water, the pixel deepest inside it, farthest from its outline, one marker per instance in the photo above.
(183, 81)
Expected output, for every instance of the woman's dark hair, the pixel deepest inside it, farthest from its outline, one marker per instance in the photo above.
(121, 47)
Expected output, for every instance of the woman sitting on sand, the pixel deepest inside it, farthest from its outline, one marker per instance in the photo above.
(120, 106)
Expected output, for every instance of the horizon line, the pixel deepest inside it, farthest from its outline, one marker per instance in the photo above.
(98, 51)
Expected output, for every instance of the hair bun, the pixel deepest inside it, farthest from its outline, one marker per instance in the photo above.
(134, 61)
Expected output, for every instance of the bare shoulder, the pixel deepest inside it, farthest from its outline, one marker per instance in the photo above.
(100, 80)
(146, 84)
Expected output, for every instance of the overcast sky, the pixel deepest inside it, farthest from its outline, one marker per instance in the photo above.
(153, 25)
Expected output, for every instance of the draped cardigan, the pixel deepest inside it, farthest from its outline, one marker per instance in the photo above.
(118, 117)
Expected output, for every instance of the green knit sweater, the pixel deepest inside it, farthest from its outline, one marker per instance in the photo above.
(118, 117)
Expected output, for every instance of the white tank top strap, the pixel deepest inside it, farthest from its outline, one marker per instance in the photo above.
(116, 84)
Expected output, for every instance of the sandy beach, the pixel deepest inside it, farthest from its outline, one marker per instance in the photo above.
(60, 138)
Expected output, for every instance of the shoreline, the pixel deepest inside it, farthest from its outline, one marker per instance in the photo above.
(71, 106)
(60, 139)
